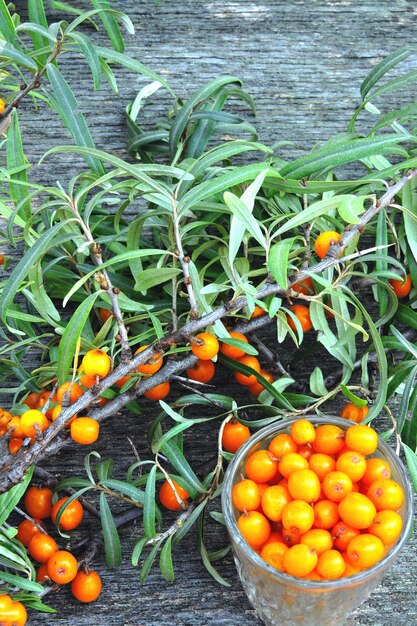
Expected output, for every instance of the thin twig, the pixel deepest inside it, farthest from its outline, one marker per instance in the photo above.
(184, 260)
(269, 355)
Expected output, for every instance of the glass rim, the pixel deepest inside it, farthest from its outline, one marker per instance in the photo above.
(287, 579)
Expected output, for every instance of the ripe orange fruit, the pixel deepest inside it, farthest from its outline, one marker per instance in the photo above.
(122, 381)
(401, 287)
(62, 567)
(273, 553)
(159, 392)
(324, 241)
(68, 390)
(304, 485)
(336, 485)
(375, 468)
(42, 573)
(299, 560)
(15, 445)
(331, 565)
(365, 550)
(387, 525)
(302, 313)
(326, 514)
(232, 351)
(85, 380)
(2, 105)
(84, 430)
(14, 614)
(38, 502)
(71, 516)
(357, 510)
(291, 462)
(167, 496)
(255, 528)
(342, 534)
(41, 547)
(385, 493)
(252, 362)
(304, 286)
(27, 529)
(274, 499)
(31, 400)
(362, 438)
(152, 365)
(246, 495)
(257, 312)
(31, 420)
(86, 586)
(329, 439)
(203, 371)
(261, 466)
(354, 413)
(321, 464)
(96, 363)
(258, 387)
(104, 314)
(14, 428)
(234, 435)
(282, 444)
(205, 346)
(318, 539)
(303, 432)
(298, 515)
(353, 464)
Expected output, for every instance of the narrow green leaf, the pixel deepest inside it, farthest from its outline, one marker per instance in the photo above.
(383, 67)
(155, 276)
(110, 25)
(351, 207)
(205, 556)
(10, 499)
(112, 546)
(39, 33)
(10, 53)
(409, 201)
(181, 465)
(148, 562)
(149, 506)
(278, 261)
(242, 345)
(20, 582)
(405, 315)
(15, 158)
(88, 50)
(411, 459)
(245, 217)
(126, 489)
(165, 561)
(359, 402)
(7, 27)
(137, 550)
(317, 385)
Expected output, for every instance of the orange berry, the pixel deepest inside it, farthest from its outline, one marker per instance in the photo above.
(281, 444)
(87, 381)
(303, 432)
(291, 462)
(14, 615)
(324, 241)
(304, 485)
(42, 573)
(326, 514)
(365, 550)
(258, 387)
(38, 502)
(331, 565)
(257, 312)
(27, 529)
(350, 569)
(353, 464)
(234, 435)
(291, 536)
(253, 363)
(306, 451)
(167, 496)
(375, 468)
(31, 400)
(203, 371)
(205, 346)
(96, 363)
(357, 510)
(401, 287)
(362, 438)
(2, 105)
(298, 515)
(302, 313)
(318, 539)
(31, 420)
(104, 314)
(68, 390)
(321, 464)
(41, 547)
(84, 430)
(15, 445)
(387, 525)
(336, 485)
(273, 553)
(255, 528)
(261, 466)
(71, 516)
(304, 286)
(159, 392)
(385, 493)
(330, 439)
(246, 495)
(86, 586)
(153, 364)
(342, 535)
(300, 560)
(274, 499)
(14, 428)
(232, 351)
(354, 413)
(56, 411)
(62, 567)
(122, 381)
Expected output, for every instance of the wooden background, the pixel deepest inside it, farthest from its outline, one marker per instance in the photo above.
(303, 61)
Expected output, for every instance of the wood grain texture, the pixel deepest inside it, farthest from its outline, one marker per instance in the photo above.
(303, 61)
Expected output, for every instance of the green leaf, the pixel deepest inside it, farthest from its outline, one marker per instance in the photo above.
(10, 499)
(39, 28)
(350, 207)
(165, 561)
(278, 261)
(20, 582)
(112, 546)
(317, 385)
(7, 27)
(359, 402)
(405, 315)
(10, 53)
(155, 276)
(411, 459)
(245, 217)
(15, 158)
(67, 502)
(130, 491)
(205, 556)
(242, 345)
(181, 465)
(88, 50)
(148, 562)
(390, 61)
(149, 506)
(137, 550)
(409, 201)
(110, 25)
(71, 116)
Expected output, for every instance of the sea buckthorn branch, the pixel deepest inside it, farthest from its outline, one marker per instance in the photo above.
(184, 260)
(268, 354)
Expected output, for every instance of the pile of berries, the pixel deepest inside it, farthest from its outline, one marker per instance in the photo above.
(316, 504)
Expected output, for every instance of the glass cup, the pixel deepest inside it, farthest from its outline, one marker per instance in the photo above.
(280, 599)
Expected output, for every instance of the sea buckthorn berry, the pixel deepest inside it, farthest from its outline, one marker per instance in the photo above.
(300, 560)
(353, 464)
(41, 547)
(305, 286)
(159, 392)
(255, 528)
(261, 466)
(331, 565)
(104, 314)
(318, 539)
(291, 462)
(87, 381)
(2, 105)
(306, 451)
(257, 312)
(326, 514)
(31, 420)
(342, 534)
(14, 615)
(365, 550)
(96, 363)
(84, 430)
(56, 412)
(302, 313)
(324, 241)
(246, 495)
(153, 364)
(258, 387)
(375, 468)
(69, 392)
(402, 286)
(357, 510)
(299, 515)
(203, 371)
(232, 351)
(274, 537)
(86, 586)
(281, 444)
(303, 432)
(234, 435)
(321, 464)
(304, 485)
(273, 501)
(362, 438)
(14, 428)
(122, 381)
(62, 567)
(273, 553)
(38, 502)
(291, 536)
(252, 362)
(168, 498)
(205, 346)
(354, 413)
(71, 516)
(15, 445)
(42, 573)
(336, 485)
(385, 493)
(27, 529)
(387, 525)
(31, 400)
(350, 570)
(330, 439)
(5, 602)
